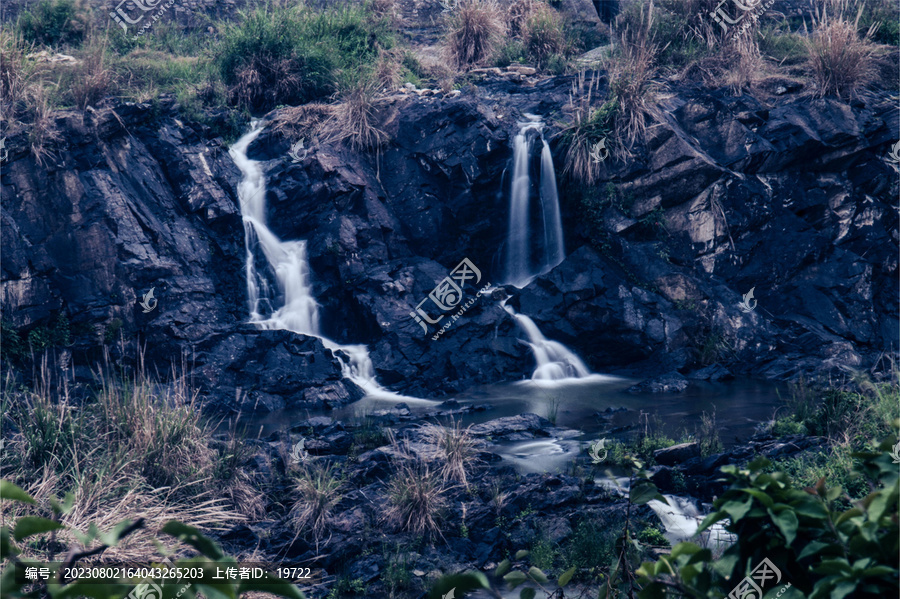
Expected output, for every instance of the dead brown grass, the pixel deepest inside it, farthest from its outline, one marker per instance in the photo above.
(354, 117)
(305, 121)
(474, 30)
(319, 489)
(264, 82)
(416, 494)
(457, 447)
(15, 73)
(586, 128)
(543, 34)
(632, 85)
(840, 60)
(139, 449)
(518, 12)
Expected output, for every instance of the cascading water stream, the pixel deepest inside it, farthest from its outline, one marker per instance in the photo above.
(524, 260)
(554, 360)
(286, 262)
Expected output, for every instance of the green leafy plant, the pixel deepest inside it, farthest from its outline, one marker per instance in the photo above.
(826, 551)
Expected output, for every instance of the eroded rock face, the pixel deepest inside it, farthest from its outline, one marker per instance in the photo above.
(793, 202)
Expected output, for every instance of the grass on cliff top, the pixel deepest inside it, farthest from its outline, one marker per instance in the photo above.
(137, 448)
(276, 55)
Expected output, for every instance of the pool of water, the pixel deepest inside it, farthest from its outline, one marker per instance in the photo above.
(579, 405)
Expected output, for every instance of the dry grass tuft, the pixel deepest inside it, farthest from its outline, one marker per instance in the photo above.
(42, 133)
(841, 61)
(588, 125)
(354, 117)
(416, 494)
(474, 30)
(543, 34)
(632, 86)
(518, 12)
(458, 447)
(15, 73)
(303, 122)
(746, 64)
(319, 487)
(139, 449)
(264, 82)
(387, 10)
(92, 81)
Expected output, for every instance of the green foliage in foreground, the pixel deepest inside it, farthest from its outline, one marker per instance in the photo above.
(823, 551)
(211, 557)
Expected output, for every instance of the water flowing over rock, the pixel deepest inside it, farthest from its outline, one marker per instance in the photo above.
(286, 261)
(794, 200)
(524, 258)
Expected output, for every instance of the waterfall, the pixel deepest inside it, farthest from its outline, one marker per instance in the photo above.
(554, 360)
(681, 519)
(523, 260)
(286, 267)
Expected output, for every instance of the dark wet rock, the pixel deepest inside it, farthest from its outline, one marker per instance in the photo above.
(525, 425)
(791, 198)
(668, 480)
(671, 382)
(255, 369)
(316, 424)
(714, 373)
(677, 454)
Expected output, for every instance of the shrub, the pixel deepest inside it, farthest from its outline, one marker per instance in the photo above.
(885, 15)
(474, 30)
(592, 545)
(280, 56)
(509, 52)
(840, 59)
(652, 535)
(54, 22)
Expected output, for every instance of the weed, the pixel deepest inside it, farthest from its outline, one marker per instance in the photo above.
(841, 60)
(353, 119)
(474, 30)
(319, 488)
(543, 35)
(652, 535)
(457, 447)
(416, 495)
(708, 435)
(54, 22)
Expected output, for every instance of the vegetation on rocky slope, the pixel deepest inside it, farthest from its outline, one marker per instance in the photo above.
(293, 54)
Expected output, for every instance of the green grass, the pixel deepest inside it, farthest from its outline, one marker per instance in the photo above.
(54, 23)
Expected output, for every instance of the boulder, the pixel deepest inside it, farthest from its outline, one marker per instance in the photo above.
(671, 382)
(677, 454)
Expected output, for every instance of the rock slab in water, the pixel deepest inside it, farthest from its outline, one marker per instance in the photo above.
(677, 454)
(671, 382)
